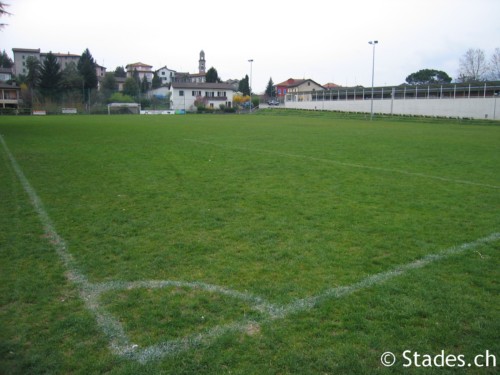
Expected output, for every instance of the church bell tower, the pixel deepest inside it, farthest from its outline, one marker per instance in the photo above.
(201, 63)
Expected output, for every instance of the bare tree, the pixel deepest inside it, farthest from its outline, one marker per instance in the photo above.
(495, 65)
(473, 66)
(3, 12)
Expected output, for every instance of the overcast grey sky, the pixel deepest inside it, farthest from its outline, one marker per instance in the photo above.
(326, 41)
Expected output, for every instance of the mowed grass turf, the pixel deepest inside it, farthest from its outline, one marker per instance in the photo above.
(278, 207)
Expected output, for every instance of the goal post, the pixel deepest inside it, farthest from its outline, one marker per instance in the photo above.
(124, 108)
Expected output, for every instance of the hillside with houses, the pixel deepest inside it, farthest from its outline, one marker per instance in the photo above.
(45, 82)
(36, 79)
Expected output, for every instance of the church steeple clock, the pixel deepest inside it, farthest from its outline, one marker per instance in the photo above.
(201, 65)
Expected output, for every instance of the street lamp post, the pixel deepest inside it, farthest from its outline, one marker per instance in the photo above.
(250, 83)
(373, 43)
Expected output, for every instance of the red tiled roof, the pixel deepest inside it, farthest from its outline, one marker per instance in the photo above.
(137, 64)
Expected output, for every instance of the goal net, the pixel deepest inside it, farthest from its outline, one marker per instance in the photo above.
(124, 108)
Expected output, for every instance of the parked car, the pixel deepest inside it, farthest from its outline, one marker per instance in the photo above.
(273, 102)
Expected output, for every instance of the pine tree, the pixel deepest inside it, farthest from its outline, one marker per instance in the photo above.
(50, 76)
(86, 66)
(5, 60)
(270, 89)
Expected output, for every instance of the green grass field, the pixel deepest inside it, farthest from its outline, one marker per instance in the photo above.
(252, 244)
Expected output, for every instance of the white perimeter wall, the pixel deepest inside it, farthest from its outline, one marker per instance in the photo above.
(479, 108)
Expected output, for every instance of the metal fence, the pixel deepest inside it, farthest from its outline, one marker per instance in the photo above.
(453, 91)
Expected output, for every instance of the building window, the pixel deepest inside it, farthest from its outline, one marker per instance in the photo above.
(181, 92)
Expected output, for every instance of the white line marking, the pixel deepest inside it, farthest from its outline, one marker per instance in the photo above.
(118, 340)
(111, 327)
(353, 165)
(379, 278)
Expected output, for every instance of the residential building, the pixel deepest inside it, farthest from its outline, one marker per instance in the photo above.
(21, 56)
(182, 77)
(100, 72)
(9, 96)
(62, 58)
(190, 77)
(330, 86)
(185, 94)
(5, 74)
(197, 77)
(297, 85)
(143, 70)
(166, 75)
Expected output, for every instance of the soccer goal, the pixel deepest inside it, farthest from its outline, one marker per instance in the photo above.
(124, 108)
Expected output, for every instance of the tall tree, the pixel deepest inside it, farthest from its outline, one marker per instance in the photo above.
(428, 76)
(87, 68)
(270, 89)
(109, 86)
(144, 84)
(156, 83)
(244, 86)
(131, 87)
(212, 76)
(5, 60)
(71, 79)
(33, 77)
(50, 77)
(473, 66)
(120, 72)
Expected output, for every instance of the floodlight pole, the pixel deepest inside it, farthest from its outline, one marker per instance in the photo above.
(373, 43)
(250, 84)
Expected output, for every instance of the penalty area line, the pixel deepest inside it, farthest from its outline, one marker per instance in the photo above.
(341, 163)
